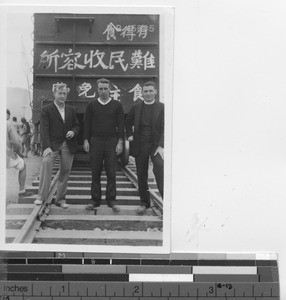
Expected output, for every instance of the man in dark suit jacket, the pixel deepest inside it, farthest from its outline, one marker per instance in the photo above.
(59, 127)
(147, 139)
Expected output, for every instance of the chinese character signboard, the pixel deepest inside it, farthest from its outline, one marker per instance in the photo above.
(79, 49)
(102, 60)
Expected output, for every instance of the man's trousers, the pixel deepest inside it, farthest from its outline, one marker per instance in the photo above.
(66, 160)
(142, 164)
(103, 151)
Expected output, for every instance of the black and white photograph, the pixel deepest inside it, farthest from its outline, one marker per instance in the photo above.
(88, 113)
(102, 98)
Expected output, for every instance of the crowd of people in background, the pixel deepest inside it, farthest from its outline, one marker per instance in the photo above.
(29, 137)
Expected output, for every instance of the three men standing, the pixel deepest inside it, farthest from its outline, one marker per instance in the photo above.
(103, 138)
(59, 127)
(147, 117)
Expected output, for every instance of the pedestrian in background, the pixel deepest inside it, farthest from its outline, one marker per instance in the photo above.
(16, 125)
(35, 141)
(25, 137)
(13, 155)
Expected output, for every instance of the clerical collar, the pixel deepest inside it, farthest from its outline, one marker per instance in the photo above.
(149, 103)
(59, 107)
(103, 103)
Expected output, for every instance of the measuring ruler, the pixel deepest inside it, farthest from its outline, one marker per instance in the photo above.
(84, 276)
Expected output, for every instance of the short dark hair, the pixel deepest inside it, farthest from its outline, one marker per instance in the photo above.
(150, 83)
(23, 120)
(103, 80)
(14, 119)
(8, 112)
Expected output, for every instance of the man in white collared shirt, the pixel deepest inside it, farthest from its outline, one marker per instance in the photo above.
(59, 127)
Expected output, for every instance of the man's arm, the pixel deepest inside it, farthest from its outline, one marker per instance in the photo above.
(120, 121)
(75, 129)
(76, 126)
(160, 148)
(129, 122)
(87, 122)
(120, 127)
(87, 126)
(162, 129)
(45, 125)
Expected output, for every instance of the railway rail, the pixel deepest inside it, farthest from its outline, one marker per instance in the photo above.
(49, 224)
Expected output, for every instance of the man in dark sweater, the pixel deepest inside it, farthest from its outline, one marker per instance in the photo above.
(147, 140)
(103, 138)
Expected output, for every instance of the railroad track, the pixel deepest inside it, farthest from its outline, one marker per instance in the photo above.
(49, 224)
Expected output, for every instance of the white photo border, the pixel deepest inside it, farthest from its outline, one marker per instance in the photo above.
(166, 14)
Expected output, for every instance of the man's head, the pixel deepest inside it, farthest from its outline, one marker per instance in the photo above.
(23, 120)
(14, 119)
(60, 91)
(149, 91)
(8, 114)
(103, 88)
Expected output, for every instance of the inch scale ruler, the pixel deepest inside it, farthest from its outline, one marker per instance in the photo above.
(87, 276)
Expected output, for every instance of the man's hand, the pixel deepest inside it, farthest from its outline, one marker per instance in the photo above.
(47, 151)
(160, 151)
(119, 147)
(130, 139)
(70, 134)
(86, 145)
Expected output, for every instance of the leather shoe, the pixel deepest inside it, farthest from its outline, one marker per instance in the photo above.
(61, 203)
(115, 208)
(92, 206)
(38, 202)
(25, 194)
(141, 210)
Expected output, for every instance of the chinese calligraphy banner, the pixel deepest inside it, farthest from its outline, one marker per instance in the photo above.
(102, 60)
(77, 49)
